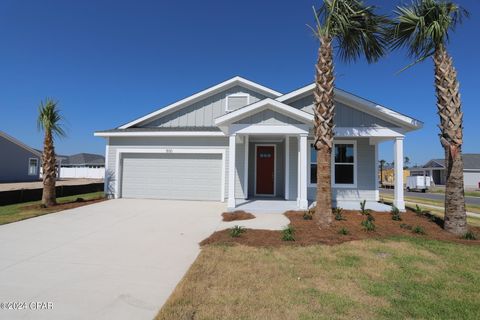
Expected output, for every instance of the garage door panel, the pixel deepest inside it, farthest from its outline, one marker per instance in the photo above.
(172, 176)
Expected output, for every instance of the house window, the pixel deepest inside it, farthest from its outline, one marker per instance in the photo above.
(32, 167)
(236, 101)
(344, 164)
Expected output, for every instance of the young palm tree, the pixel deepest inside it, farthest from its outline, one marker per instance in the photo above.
(49, 121)
(355, 30)
(423, 29)
(382, 164)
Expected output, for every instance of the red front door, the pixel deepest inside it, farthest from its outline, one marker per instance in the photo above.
(265, 170)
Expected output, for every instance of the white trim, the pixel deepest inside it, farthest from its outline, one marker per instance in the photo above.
(303, 203)
(274, 169)
(106, 181)
(287, 167)
(121, 151)
(398, 199)
(232, 163)
(368, 132)
(298, 171)
(202, 94)
(377, 191)
(355, 164)
(160, 134)
(291, 129)
(261, 105)
(20, 144)
(309, 162)
(36, 167)
(235, 95)
(365, 106)
(246, 140)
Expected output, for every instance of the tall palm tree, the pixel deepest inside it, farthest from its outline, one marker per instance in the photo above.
(49, 121)
(355, 29)
(424, 28)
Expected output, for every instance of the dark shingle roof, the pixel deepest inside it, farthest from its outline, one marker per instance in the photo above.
(471, 161)
(84, 159)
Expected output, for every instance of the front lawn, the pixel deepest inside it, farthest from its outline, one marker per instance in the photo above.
(21, 211)
(393, 278)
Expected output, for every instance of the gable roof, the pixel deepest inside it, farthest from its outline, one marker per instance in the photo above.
(203, 94)
(84, 159)
(471, 161)
(20, 144)
(359, 103)
(262, 105)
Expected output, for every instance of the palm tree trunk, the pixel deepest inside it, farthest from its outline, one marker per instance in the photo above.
(451, 138)
(49, 174)
(323, 125)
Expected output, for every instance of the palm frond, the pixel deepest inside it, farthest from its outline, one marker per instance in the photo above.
(50, 119)
(424, 25)
(355, 27)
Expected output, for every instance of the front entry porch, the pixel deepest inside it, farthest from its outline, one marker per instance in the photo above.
(262, 205)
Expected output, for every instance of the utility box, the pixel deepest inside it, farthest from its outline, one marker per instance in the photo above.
(418, 183)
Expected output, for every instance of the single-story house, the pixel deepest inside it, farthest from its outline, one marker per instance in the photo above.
(83, 165)
(241, 140)
(18, 162)
(435, 168)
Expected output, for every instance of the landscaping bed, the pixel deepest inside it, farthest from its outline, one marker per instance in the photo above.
(306, 232)
(237, 215)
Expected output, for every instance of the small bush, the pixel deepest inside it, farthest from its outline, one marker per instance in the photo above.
(338, 214)
(237, 231)
(344, 231)
(469, 236)
(79, 200)
(308, 214)
(363, 210)
(368, 224)
(419, 211)
(406, 226)
(418, 230)
(395, 214)
(288, 234)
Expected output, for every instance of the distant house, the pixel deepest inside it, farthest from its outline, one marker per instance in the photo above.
(435, 168)
(83, 165)
(18, 162)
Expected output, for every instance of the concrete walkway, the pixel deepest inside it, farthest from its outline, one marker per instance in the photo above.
(118, 259)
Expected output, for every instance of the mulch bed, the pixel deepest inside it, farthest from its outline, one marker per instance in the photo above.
(64, 206)
(237, 215)
(308, 233)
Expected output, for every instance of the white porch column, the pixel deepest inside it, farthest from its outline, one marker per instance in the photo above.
(303, 144)
(245, 174)
(398, 157)
(231, 172)
(287, 168)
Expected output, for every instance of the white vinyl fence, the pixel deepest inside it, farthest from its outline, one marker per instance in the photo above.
(82, 172)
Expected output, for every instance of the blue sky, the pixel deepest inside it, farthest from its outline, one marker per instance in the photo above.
(108, 62)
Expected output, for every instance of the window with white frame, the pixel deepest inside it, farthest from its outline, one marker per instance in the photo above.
(32, 166)
(237, 100)
(344, 155)
(343, 164)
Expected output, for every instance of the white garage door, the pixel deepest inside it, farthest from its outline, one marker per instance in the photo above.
(172, 176)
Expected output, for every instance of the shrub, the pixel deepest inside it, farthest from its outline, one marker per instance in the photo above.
(418, 230)
(338, 214)
(406, 226)
(469, 236)
(288, 234)
(368, 224)
(344, 231)
(395, 214)
(237, 231)
(419, 211)
(363, 210)
(308, 214)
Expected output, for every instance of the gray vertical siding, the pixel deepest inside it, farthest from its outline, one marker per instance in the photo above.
(204, 112)
(293, 168)
(269, 117)
(240, 169)
(14, 162)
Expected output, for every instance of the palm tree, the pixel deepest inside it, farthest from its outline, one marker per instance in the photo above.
(423, 28)
(355, 30)
(49, 121)
(406, 162)
(382, 164)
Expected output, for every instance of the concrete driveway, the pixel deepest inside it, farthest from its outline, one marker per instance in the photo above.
(118, 259)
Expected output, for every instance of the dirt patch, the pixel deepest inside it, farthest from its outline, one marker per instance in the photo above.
(308, 233)
(237, 215)
(63, 206)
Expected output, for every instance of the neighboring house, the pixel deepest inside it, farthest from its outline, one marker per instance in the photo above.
(388, 176)
(240, 140)
(18, 162)
(435, 168)
(83, 165)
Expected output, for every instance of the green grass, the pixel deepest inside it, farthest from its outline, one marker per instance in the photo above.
(21, 211)
(467, 193)
(395, 278)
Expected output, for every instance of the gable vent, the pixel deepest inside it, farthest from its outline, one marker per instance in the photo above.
(235, 101)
